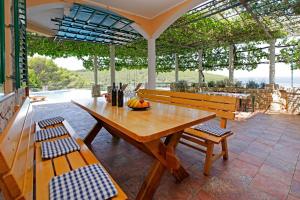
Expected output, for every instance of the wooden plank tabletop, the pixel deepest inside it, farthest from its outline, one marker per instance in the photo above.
(143, 126)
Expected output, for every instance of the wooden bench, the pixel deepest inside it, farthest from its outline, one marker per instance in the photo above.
(24, 175)
(223, 106)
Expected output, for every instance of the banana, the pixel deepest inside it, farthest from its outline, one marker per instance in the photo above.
(136, 102)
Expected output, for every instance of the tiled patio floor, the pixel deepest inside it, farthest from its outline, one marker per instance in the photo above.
(264, 159)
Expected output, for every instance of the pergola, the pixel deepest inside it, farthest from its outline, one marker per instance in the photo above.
(122, 22)
(133, 18)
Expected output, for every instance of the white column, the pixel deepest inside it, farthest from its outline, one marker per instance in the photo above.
(112, 63)
(96, 87)
(231, 64)
(95, 70)
(200, 66)
(272, 62)
(151, 64)
(176, 68)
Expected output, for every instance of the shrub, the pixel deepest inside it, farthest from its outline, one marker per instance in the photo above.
(262, 85)
(238, 84)
(181, 86)
(221, 84)
(211, 84)
(252, 84)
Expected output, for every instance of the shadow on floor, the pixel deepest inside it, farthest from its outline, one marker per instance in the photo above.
(264, 159)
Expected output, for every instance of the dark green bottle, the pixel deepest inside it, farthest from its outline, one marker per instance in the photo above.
(120, 96)
(114, 95)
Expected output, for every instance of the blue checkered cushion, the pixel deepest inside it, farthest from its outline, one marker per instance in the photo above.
(50, 122)
(59, 147)
(89, 182)
(49, 133)
(212, 128)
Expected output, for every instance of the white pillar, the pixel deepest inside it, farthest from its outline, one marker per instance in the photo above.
(272, 62)
(231, 64)
(200, 66)
(112, 63)
(176, 68)
(96, 87)
(95, 70)
(151, 64)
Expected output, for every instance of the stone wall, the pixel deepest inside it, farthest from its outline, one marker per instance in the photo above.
(262, 97)
(269, 98)
(292, 97)
(9, 104)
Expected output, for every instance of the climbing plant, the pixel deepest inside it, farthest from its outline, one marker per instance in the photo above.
(185, 37)
(290, 53)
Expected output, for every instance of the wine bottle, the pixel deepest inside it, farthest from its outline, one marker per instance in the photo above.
(120, 96)
(114, 95)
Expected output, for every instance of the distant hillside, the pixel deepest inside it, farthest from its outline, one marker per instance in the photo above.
(136, 76)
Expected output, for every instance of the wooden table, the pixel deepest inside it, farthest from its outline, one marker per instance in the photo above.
(156, 132)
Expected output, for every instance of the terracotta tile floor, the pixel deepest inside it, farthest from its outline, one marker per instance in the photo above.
(264, 159)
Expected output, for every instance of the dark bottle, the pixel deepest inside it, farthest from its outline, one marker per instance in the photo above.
(114, 95)
(120, 96)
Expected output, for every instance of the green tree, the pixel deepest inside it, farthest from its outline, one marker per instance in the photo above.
(44, 72)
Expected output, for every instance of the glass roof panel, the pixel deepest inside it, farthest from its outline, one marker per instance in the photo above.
(95, 25)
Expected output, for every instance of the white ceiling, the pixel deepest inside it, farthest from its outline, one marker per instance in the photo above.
(42, 15)
(145, 8)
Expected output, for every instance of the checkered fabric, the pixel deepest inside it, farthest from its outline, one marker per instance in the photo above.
(50, 122)
(212, 128)
(49, 133)
(59, 147)
(89, 182)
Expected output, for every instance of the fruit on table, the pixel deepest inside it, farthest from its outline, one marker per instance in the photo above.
(137, 103)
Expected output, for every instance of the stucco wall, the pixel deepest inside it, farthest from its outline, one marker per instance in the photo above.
(9, 105)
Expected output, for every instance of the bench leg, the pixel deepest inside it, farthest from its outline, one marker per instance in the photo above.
(208, 159)
(225, 149)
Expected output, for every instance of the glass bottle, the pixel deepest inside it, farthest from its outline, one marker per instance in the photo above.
(114, 95)
(120, 96)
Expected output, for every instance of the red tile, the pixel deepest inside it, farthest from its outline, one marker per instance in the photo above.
(297, 175)
(241, 167)
(298, 164)
(270, 186)
(280, 164)
(204, 196)
(274, 173)
(221, 188)
(291, 197)
(295, 188)
(251, 159)
(255, 194)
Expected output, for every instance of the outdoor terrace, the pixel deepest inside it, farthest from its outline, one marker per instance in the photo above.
(264, 161)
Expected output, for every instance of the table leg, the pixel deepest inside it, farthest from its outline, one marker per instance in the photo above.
(172, 141)
(93, 133)
(165, 158)
(151, 182)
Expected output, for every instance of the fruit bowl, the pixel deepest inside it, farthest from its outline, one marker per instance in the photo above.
(139, 109)
(138, 104)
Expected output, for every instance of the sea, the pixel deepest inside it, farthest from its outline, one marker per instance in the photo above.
(282, 81)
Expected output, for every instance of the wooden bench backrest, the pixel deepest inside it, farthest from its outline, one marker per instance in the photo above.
(223, 106)
(17, 153)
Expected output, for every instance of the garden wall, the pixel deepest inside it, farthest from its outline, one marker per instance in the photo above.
(270, 97)
(293, 101)
(263, 97)
(9, 104)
